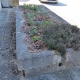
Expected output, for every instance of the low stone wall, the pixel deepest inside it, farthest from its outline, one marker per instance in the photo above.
(33, 64)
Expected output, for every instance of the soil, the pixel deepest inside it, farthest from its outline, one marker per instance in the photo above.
(37, 45)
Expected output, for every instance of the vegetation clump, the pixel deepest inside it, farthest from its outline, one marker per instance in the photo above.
(43, 29)
(30, 6)
(62, 36)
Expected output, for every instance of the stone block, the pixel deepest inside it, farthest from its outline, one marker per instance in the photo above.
(38, 63)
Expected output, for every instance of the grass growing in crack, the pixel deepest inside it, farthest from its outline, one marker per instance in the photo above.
(59, 37)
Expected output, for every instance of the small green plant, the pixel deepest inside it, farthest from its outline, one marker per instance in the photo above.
(30, 22)
(30, 15)
(33, 30)
(36, 38)
(25, 6)
(40, 24)
(30, 6)
(34, 27)
(34, 8)
(47, 23)
(42, 11)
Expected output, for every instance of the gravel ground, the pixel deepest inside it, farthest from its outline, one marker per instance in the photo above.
(8, 67)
